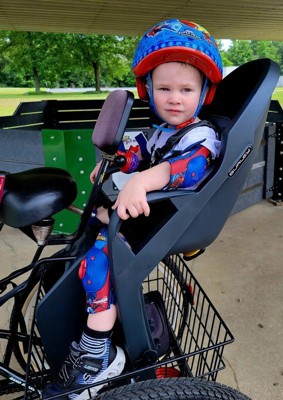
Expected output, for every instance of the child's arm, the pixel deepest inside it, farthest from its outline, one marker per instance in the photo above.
(189, 168)
(131, 160)
(182, 171)
(131, 200)
(94, 172)
(135, 158)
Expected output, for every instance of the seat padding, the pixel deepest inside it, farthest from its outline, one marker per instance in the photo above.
(33, 195)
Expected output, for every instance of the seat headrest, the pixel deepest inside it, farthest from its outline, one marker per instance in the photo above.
(229, 100)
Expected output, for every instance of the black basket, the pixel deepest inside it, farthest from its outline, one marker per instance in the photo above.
(197, 332)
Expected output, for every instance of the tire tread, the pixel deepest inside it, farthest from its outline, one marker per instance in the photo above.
(174, 389)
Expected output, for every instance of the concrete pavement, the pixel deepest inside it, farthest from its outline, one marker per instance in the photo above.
(242, 272)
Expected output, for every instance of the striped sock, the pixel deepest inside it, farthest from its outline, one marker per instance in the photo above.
(97, 343)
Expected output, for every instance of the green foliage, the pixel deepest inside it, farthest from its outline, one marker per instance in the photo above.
(78, 60)
(242, 51)
(50, 59)
(279, 49)
(33, 56)
(101, 59)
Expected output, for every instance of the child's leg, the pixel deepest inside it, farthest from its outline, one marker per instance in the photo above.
(95, 358)
(103, 321)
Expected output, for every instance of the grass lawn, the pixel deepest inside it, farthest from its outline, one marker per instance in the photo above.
(278, 95)
(10, 98)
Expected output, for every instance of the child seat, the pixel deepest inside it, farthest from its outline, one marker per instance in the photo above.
(239, 110)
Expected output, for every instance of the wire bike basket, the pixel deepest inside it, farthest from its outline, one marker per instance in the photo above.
(197, 332)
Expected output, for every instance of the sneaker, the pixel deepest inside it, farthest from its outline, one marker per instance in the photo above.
(81, 369)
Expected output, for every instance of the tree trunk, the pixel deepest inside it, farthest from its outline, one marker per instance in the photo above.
(29, 36)
(36, 80)
(96, 71)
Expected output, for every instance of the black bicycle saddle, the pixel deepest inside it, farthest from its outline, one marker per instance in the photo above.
(35, 194)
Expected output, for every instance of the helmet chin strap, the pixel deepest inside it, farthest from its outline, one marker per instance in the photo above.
(183, 124)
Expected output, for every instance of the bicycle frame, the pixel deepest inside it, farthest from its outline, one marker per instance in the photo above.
(14, 380)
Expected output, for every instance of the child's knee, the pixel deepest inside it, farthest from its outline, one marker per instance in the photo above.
(95, 276)
(93, 270)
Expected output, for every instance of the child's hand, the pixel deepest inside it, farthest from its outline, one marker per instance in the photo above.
(93, 174)
(131, 200)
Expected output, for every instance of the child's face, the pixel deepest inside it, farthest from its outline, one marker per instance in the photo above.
(176, 91)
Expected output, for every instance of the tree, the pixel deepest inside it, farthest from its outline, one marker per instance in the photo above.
(34, 54)
(225, 60)
(107, 56)
(240, 52)
(279, 52)
(121, 74)
(265, 49)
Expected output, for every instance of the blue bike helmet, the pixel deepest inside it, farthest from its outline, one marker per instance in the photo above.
(181, 41)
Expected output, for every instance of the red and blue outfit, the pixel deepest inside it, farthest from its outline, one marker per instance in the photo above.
(189, 159)
(188, 169)
(95, 275)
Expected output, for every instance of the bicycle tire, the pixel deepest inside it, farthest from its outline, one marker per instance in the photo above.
(23, 320)
(173, 389)
(23, 313)
(187, 296)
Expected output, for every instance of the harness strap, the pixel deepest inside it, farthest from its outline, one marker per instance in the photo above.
(174, 139)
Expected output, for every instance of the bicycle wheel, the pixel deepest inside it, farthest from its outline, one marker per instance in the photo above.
(22, 317)
(173, 389)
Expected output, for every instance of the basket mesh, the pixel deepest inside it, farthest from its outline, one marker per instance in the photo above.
(198, 334)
